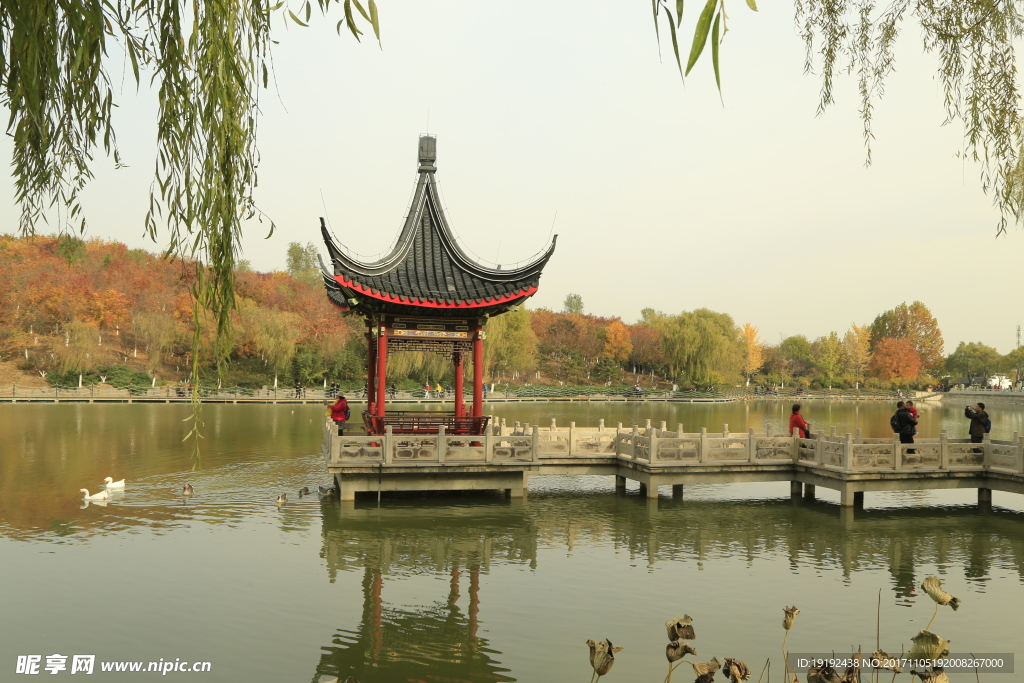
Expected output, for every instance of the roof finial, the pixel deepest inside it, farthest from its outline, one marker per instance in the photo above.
(428, 153)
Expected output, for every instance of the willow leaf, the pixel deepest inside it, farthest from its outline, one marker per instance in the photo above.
(700, 34)
(752, 4)
(298, 21)
(657, 30)
(350, 20)
(714, 51)
(679, 12)
(675, 44)
(362, 11)
(374, 21)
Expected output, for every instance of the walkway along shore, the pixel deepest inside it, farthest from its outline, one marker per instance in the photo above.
(506, 457)
(175, 394)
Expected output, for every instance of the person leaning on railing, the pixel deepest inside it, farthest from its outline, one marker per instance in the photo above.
(797, 421)
(340, 412)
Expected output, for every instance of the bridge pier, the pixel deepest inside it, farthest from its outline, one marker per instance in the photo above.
(677, 491)
(796, 489)
(620, 484)
(809, 491)
(984, 496)
(848, 498)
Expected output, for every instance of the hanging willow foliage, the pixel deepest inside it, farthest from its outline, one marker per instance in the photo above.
(973, 41)
(209, 61)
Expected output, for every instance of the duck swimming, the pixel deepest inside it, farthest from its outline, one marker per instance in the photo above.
(304, 491)
(109, 483)
(99, 495)
(187, 489)
(283, 498)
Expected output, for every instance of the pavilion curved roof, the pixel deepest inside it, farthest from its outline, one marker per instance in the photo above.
(427, 271)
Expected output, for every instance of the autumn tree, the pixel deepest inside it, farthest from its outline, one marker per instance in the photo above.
(648, 353)
(797, 351)
(895, 359)
(753, 351)
(857, 352)
(916, 324)
(275, 336)
(158, 331)
(617, 342)
(1014, 360)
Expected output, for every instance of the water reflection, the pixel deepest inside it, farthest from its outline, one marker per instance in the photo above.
(462, 538)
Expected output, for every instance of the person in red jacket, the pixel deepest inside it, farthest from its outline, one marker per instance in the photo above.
(340, 413)
(797, 421)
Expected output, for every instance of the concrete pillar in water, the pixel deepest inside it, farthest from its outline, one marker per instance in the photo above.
(796, 489)
(677, 491)
(643, 489)
(984, 496)
(809, 492)
(620, 484)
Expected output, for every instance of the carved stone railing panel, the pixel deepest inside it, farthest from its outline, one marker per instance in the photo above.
(773, 448)
(679, 450)
(513, 449)
(601, 443)
(359, 450)
(832, 453)
(415, 449)
(924, 456)
(964, 455)
(870, 456)
(1002, 456)
(726, 449)
(553, 442)
(465, 449)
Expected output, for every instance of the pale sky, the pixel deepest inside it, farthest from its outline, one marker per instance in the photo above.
(664, 197)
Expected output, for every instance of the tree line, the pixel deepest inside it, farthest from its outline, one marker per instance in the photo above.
(89, 311)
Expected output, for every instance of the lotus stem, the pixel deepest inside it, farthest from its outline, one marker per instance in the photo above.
(929, 626)
(767, 666)
(785, 659)
(671, 668)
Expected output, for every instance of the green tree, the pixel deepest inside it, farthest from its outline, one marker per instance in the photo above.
(1014, 361)
(702, 347)
(573, 304)
(511, 345)
(276, 335)
(797, 351)
(972, 359)
(916, 324)
(302, 263)
(828, 356)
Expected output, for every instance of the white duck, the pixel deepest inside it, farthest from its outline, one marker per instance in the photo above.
(109, 483)
(99, 495)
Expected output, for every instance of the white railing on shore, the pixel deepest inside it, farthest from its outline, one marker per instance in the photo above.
(657, 447)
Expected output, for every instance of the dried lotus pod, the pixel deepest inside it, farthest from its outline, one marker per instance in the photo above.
(736, 670)
(927, 645)
(602, 655)
(933, 587)
(933, 675)
(791, 612)
(883, 660)
(822, 673)
(852, 673)
(680, 628)
(675, 651)
(703, 668)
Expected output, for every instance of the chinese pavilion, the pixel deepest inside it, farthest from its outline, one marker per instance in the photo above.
(427, 294)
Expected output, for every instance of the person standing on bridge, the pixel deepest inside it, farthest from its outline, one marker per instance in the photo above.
(797, 421)
(980, 423)
(904, 424)
(340, 412)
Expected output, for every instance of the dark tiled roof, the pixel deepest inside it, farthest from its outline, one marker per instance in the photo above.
(427, 269)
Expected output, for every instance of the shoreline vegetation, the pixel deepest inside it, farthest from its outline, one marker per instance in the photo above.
(96, 315)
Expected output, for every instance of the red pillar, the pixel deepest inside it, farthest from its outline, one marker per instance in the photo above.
(382, 365)
(459, 378)
(478, 374)
(371, 370)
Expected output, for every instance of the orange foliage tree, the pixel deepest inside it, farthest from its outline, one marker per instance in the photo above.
(895, 359)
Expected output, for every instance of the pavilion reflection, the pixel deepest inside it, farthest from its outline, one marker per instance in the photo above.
(460, 538)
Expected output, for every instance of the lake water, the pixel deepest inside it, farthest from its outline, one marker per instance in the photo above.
(451, 588)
